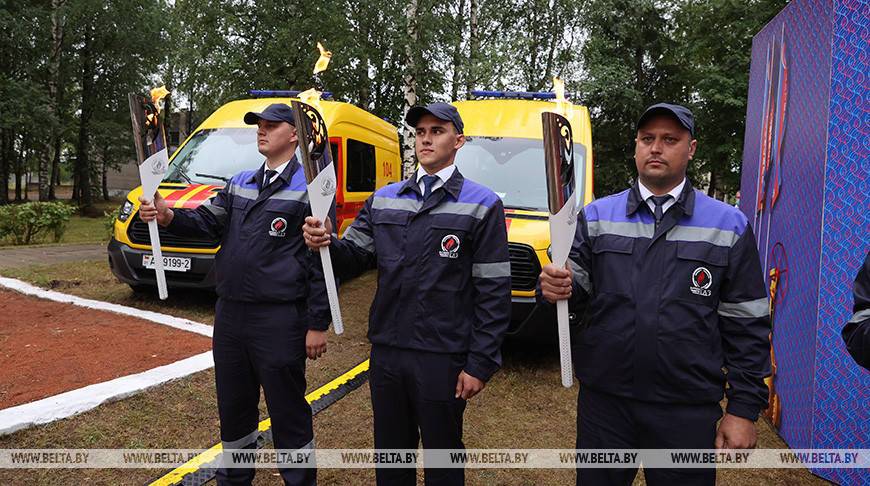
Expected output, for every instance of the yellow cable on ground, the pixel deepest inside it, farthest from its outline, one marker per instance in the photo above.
(332, 385)
(176, 475)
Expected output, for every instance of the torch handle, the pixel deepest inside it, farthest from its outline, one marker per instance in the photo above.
(331, 291)
(564, 343)
(157, 258)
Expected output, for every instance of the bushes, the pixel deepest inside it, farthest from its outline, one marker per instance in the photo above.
(30, 222)
(109, 221)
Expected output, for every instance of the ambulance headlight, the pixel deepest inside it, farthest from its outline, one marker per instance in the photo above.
(125, 211)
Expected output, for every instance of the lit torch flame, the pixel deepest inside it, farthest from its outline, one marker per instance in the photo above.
(157, 95)
(323, 61)
(563, 106)
(312, 96)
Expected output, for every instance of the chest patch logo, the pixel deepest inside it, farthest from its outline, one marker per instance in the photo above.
(701, 282)
(278, 227)
(449, 247)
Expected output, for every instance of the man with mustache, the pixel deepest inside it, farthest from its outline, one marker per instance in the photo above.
(672, 295)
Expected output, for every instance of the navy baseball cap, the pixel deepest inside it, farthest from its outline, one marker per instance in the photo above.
(441, 111)
(273, 112)
(681, 113)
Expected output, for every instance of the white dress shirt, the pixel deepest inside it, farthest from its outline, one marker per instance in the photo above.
(442, 174)
(278, 170)
(647, 195)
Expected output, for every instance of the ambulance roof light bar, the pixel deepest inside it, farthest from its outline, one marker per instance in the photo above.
(277, 93)
(520, 95)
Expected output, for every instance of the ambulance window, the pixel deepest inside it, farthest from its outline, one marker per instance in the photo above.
(360, 166)
(333, 147)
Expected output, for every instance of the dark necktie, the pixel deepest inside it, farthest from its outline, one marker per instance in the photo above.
(428, 182)
(659, 201)
(268, 178)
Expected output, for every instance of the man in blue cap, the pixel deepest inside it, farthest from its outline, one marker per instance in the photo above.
(272, 308)
(670, 286)
(442, 305)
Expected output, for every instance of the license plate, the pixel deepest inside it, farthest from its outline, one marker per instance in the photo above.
(170, 264)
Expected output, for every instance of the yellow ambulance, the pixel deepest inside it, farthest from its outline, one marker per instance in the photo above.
(365, 149)
(504, 151)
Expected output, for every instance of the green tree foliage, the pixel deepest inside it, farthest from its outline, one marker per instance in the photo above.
(367, 65)
(546, 36)
(694, 52)
(617, 56)
(107, 48)
(718, 76)
(116, 45)
(625, 59)
(24, 104)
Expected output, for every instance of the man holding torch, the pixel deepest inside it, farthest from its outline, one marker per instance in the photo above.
(442, 306)
(272, 308)
(673, 293)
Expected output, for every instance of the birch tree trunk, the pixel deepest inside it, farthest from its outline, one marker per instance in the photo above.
(473, 48)
(409, 89)
(48, 157)
(457, 52)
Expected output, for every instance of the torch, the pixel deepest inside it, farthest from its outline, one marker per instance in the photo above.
(563, 203)
(152, 155)
(313, 152)
(315, 155)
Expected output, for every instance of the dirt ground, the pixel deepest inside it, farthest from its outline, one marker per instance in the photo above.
(522, 406)
(50, 347)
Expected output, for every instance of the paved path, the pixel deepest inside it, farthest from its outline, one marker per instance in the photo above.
(22, 257)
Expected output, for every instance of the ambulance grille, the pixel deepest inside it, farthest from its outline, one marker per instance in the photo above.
(138, 233)
(525, 267)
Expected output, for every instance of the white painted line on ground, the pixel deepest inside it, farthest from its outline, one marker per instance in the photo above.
(171, 321)
(83, 399)
(86, 398)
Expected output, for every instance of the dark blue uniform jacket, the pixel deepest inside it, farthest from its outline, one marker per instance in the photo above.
(262, 257)
(672, 312)
(856, 333)
(443, 269)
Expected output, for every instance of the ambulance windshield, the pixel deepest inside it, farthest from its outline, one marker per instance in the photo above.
(215, 154)
(512, 167)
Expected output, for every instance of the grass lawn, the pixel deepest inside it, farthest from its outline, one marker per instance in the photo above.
(94, 280)
(523, 406)
(85, 230)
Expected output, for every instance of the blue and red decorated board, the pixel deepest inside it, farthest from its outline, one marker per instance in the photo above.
(804, 187)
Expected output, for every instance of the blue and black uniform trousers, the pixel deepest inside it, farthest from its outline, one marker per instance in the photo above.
(606, 421)
(414, 398)
(259, 344)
